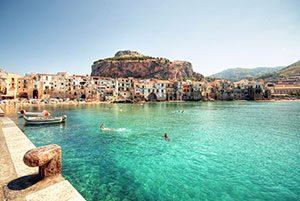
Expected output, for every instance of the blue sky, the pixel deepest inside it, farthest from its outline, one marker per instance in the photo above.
(68, 35)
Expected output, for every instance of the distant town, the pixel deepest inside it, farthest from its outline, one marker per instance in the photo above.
(95, 88)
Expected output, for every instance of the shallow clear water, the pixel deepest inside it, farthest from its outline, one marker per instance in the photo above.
(218, 151)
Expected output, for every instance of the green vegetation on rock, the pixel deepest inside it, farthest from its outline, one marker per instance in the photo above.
(123, 58)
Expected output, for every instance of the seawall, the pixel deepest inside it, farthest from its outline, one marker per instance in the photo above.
(17, 180)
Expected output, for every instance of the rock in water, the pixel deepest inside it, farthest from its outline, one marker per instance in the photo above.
(133, 64)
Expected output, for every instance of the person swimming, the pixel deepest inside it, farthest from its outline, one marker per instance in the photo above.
(103, 128)
(166, 137)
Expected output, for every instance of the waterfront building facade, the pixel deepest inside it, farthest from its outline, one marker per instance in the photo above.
(286, 90)
(70, 86)
(11, 85)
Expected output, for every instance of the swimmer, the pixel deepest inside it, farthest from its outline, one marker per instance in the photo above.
(103, 128)
(166, 137)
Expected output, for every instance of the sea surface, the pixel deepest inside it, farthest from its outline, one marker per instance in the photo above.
(218, 150)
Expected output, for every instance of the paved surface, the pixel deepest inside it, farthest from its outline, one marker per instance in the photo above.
(58, 192)
(18, 144)
(7, 170)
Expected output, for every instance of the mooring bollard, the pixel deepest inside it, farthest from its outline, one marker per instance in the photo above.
(47, 158)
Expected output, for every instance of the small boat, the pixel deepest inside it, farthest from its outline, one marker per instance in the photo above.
(23, 113)
(44, 120)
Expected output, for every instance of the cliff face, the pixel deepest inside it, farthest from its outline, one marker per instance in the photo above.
(133, 64)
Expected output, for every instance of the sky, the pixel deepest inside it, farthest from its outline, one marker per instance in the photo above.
(68, 35)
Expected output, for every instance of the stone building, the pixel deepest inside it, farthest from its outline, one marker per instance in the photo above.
(170, 91)
(25, 87)
(139, 86)
(149, 90)
(47, 85)
(178, 90)
(3, 77)
(107, 89)
(10, 90)
(124, 89)
(160, 89)
(286, 90)
(61, 85)
(192, 90)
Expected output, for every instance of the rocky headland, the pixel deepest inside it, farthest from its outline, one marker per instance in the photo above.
(133, 64)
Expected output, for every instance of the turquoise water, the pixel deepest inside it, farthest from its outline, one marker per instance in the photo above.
(218, 151)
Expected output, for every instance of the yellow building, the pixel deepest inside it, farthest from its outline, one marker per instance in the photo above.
(286, 90)
(11, 84)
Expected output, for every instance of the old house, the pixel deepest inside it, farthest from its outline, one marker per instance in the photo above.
(124, 89)
(25, 87)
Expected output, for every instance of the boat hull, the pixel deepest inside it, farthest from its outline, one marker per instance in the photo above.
(43, 120)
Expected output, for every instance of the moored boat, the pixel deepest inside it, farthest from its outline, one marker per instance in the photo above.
(23, 113)
(44, 120)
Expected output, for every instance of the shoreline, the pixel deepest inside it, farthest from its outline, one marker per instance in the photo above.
(10, 104)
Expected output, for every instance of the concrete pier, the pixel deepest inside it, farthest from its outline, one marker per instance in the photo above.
(21, 182)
